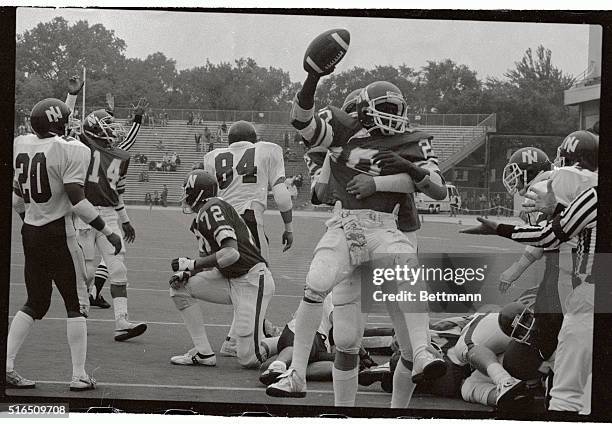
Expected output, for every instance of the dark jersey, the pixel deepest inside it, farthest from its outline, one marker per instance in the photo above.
(217, 221)
(106, 175)
(352, 149)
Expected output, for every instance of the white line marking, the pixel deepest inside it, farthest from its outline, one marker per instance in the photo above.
(219, 388)
(112, 320)
(478, 246)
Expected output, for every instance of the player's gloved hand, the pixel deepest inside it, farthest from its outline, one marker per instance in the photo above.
(287, 240)
(539, 200)
(392, 163)
(75, 85)
(365, 361)
(129, 233)
(183, 264)
(179, 279)
(486, 227)
(361, 186)
(115, 240)
(140, 108)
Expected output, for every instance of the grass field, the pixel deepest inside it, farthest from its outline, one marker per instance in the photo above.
(140, 368)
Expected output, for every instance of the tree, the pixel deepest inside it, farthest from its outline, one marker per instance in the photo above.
(531, 100)
(54, 51)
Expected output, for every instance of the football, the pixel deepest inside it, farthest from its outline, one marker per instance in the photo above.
(326, 51)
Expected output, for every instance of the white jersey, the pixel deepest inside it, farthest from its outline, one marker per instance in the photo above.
(245, 171)
(41, 168)
(569, 181)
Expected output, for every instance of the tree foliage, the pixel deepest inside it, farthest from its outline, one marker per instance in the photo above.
(529, 98)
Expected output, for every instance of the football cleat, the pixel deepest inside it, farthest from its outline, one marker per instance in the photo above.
(15, 381)
(511, 393)
(125, 330)
(272, 373)
(99, 302)
(80, 384)
(380, 373)
(428, 366)
(290, 384)
(193, 357)
(229, 347)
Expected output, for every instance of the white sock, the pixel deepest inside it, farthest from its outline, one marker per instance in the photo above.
(232, 331)
(345, 386)
(192, 316)
(403, 387)
(76, 330)
(497, 373)
(307, 320)
(418, 327)
(278, 365)
(271, 344)
(120, 307)
(20, 328)
(93, 291)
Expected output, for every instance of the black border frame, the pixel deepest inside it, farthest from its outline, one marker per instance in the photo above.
(602, 350)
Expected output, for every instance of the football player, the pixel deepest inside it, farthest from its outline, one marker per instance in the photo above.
(573, 358)
(125, 142)
(229, 270)
(244, 170)
(362, 227)
(104, 188)
(50, 170)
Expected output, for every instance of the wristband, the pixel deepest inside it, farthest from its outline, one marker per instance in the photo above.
(123, 216)
(289, 227)
(86, 211)
(106, 230)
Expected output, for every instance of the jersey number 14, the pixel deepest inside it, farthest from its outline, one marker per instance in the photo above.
(112, 173)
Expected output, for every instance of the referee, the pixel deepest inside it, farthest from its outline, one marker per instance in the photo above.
(573, 362)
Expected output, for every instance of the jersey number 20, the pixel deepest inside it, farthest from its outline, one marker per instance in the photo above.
(224, 166)
(33, 173)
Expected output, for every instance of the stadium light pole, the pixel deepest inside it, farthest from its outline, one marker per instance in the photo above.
(84, 90)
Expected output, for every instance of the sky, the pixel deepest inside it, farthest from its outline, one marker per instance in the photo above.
(190, 38)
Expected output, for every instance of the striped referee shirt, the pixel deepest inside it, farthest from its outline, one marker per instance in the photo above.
(579, 220)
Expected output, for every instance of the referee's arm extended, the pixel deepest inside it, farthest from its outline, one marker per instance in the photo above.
(581, 213)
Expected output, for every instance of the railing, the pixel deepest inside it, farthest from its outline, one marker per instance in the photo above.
(448, 119)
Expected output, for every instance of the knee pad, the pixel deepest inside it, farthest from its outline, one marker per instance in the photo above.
(475, 391)
(313, 295)
(347, 335)
(117, 271)
(182, 300)
(346, 361)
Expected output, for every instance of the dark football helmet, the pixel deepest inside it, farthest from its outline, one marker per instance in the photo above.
(523, 167)
(242, 131)
(49, 117)
(350, 103)
(579, 148)
(516, 320)
(199, 186)
(381, 105)
(100, 127)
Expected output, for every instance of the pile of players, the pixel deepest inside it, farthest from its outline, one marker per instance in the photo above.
(366, 161)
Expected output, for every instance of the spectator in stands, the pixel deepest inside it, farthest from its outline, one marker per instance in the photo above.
(165, 162)
(224, 128)
(143, 176)
(484, 205)
(454, 205)
(145, 119)
(211, 146)
(198, 119)
(207, 135)
(164, 196)
(151, 117)
(190, 118)
(21, 130)
(148, 199)
(198, 140)
(298, 181)
(160, 145)
(286, 139)
(156, 198)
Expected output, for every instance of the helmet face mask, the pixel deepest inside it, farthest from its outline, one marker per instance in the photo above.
(381, 105)
(350, 103)
(100, 127)
(524, 168)
(517, 321)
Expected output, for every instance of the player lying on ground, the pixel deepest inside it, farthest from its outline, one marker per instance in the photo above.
(352, 239)
(49, 173)
(104, 188)
(244, 170)
(575, 342)
(321, 358)
(228, 271)
(475, 373)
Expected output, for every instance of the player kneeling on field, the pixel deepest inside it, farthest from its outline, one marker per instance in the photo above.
(229, 270)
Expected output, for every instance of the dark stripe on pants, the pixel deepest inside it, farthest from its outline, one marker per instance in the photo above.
(468, 335)
(260, 290)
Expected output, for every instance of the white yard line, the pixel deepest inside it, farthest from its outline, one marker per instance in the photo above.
(219, 388)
